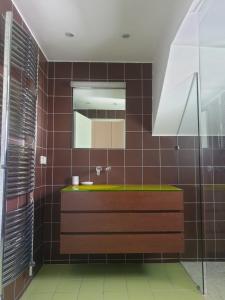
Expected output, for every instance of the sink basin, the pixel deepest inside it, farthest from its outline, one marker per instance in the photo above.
(113, 187)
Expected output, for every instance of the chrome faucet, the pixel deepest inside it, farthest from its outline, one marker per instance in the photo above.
(108, 169)
(98, 170)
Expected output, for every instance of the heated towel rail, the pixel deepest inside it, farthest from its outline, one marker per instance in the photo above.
(18, 94)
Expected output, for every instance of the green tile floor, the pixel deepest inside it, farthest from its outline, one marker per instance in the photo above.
(112, 282)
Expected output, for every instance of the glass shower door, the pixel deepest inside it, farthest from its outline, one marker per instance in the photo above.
(189, 179)
(212, 104)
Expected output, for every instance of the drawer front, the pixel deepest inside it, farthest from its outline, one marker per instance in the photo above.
(122, 201)
(121, 222)
(122, 243)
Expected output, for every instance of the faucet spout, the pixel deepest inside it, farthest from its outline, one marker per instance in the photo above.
(98, 170)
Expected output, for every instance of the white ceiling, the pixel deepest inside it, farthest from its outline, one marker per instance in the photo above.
(98, 26)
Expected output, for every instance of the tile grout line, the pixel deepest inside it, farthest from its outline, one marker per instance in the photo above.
(53, 141)
(142, 129)
(124, 151)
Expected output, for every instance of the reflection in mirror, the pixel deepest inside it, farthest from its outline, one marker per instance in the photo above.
(99, 114)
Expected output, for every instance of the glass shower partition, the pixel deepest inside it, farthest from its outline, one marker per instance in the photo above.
(203, 121)
(212, 113)
(189, 165)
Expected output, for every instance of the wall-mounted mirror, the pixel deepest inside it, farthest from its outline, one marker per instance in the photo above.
(99, 114)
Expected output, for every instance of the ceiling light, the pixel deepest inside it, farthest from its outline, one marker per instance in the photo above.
(69, 34)
(125, 36)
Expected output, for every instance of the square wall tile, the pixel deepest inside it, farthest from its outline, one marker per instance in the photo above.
(169, 175)
(98, 157)
(134, 106)
(151, 175)
(81, 71)
(133, 158)
(62, 158)
(116, 71)
(116, 175)
(63, 105)
(133, 140)
(147, 71)
(133, 71)
(116, 157)
(133, 175)
(151, 158)
(62, 87)
(63, 70)
(62, 140)
(62, 122)
(98, 71)
(147, 88)
(134, 88)
(51, 70)
(134, 123)
(147, 106)
(62, 176)
(80, 157)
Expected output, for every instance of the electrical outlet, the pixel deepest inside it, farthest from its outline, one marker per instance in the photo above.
(43, 160)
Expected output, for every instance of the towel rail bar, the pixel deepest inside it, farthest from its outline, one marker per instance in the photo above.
(18, 99)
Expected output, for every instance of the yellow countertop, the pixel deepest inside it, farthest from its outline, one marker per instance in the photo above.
(116, 188)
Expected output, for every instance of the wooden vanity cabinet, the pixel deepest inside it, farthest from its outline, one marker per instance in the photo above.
(122, 222)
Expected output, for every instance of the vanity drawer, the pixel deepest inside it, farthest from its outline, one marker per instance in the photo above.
(122, 201)
(122, 243)
(121, 222)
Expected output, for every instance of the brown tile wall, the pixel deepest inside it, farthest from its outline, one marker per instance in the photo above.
(188, 179)
(213, 179)
(146, 159)
(16, 288)
(41, 149)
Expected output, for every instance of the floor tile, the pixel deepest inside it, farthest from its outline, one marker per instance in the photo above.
(112, 282)
(141, 297)
(177, 295)
(64, 296)
(137, 284)
(179, 279)
(37, 296)
(143, 294)
(160, 281)
(43, 285)
(115, 296)
(68, 285)
(86, 295)
(92, 285)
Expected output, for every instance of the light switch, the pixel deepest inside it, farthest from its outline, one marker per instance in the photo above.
(43, 160)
